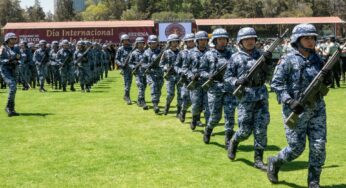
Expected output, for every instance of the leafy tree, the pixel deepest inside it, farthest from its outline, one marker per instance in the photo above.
(35, 13)
(64, 11)
(10, 11)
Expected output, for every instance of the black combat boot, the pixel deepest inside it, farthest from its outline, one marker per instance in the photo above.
(156, 108)
(87, 88)
(228, 136)
(182, 116)
(193, 123)
(259, 160)
(139, 102)
(207, 134)
(274, 164)
(64, 88)
(10, 110)
(127, 98)
(314, 177)
(82, 88)
(145, 107)
(42, 88)
(168, 105)
(232, 149)
(72, 87)
(199, 123)
(177, 115)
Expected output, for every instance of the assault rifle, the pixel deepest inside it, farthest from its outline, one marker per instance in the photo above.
(170, 71)
(193, 82)
(81, 57)
(238, 92)
(182, 80)
(317, 86)
(220, 71)
(156, 60)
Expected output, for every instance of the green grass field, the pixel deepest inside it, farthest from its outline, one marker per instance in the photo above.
(96, 140)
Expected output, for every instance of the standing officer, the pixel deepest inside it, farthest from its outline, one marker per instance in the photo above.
(154, 74)
(217, 95)
(25, 61)
(9, 58)
(167, 64)
(292, 76)
(181, 58)
(120, 59)
(141, 81)
(106, 57)
(199, 97)
(82, 62)
(53, 54)
(253, 113)
(41, 59)
(65, 61)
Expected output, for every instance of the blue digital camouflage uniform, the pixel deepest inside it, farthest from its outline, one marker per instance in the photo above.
(253, 114)
(141, 81)
(65, 59)
(217, 95)
(41, 59)
(291, 78)
(155, 74)
(54, 64)
(83, 68)
(167, 62)
(185, 93)
(106, 58)
(199, 97)
(121, 56)
(25, 61)
(8, 62)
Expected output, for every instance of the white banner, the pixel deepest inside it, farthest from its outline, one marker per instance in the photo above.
(182, 28)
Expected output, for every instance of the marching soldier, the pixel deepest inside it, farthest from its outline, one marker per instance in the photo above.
(65, 61)
(41, 59)
(9, 57)
(292, 76)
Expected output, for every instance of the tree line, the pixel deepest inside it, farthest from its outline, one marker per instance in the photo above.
(10, 10)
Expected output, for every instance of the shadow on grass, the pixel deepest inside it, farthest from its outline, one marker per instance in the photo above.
(250, 148)
(218, 145)
(36, 114)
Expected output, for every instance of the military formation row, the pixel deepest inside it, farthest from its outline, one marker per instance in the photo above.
(215, 79)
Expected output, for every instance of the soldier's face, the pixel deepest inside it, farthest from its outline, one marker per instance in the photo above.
(65, 46)
(221, 42)
(174, 44)
(190, 44)
(153, 45)
(249, 43)
(203, 43)
(140, 45)
(308, 42)
(126, 42)
(12, 41)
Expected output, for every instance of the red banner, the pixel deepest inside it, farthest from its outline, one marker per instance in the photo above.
(100, 35)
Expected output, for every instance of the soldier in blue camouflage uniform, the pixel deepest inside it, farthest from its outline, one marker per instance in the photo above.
(83, 61)
(292, 76)
(253, 113)
(106, 58)
(25, 61)
(141, 80)
(155, 73)
(32, 67)
(120, 59)
(54, 64)
(65, 61)
(41, 59)
(167, 64)
(199, 97)
(181, 58)
(9, 57)
(98, 62)
(218, 97)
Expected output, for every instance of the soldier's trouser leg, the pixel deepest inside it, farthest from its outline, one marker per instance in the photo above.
(155, 84)
(8, 76)
(229, 109)
(170, 88)
(42, 72)
(206, 106)
(215, 100)
(127, 81)
(253, 116)
(141, 85)
(186, 100)
(196, 101)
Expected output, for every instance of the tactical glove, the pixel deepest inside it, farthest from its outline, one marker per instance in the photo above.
(242, 81)
(295, 106)
(268, 57)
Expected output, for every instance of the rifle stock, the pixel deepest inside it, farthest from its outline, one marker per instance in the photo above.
(156, 60)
